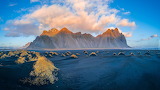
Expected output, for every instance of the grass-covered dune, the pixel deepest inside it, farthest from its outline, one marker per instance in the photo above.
(28, 67)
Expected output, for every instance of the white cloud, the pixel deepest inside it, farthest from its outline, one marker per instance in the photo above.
(77, 15)
(12, 4)
(17, 28)
(34, 1)
(126, 13)
(43, 2)
(155, 35)
(125, 22)
(23, 30)
(21, 10)
(149, 38)
(122, 9)
(21, 22)
(6, 29)
(79, 19)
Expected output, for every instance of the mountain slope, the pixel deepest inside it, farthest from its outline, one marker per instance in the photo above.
(25, 46)
(54, 39)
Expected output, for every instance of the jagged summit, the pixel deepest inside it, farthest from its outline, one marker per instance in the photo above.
(64, 38)
(51, 32)
(65, 30)
(110, 33)
(54, 31)
(116, 30)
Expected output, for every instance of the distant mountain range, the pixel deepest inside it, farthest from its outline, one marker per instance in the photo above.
(64, 38)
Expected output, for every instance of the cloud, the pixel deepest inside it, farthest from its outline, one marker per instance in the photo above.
(122, 9)
(16, 28)
(21, 22)
(127, 34)
(43, 2)
(125, 22)
(77, 15)
(12, 4)
(155, 35)
(34, 1)
(151, 37)
(21, 10)
(23, 30)
(126, 13)
(80, 18)
(6, 29)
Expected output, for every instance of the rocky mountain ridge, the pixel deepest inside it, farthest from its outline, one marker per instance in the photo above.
(55, 39)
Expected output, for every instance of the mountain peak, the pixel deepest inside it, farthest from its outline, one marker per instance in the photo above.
(116, 29)
(50, 33)
(65, 30)
(108, 33)
(53, 30)
(111, 33)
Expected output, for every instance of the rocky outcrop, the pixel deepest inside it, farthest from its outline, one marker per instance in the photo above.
(54, 39)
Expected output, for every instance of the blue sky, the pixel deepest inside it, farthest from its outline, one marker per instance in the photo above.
(22, 20)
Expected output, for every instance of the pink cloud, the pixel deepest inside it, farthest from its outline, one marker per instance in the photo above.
(77, 15)
(125, 22)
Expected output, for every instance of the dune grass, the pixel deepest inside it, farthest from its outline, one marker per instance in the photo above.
(20, 60)
(73, 56)
(44, 71)
(92, 54)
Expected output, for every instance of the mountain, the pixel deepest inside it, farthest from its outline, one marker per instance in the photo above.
(55, 39)
(26, 45)
(50, 33)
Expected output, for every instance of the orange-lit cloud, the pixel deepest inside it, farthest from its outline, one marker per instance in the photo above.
(77, 15)
(125, 22)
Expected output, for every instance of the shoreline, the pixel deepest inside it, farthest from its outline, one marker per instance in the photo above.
(61, 49)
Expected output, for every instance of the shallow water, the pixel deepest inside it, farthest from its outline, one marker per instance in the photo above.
(101, 72)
